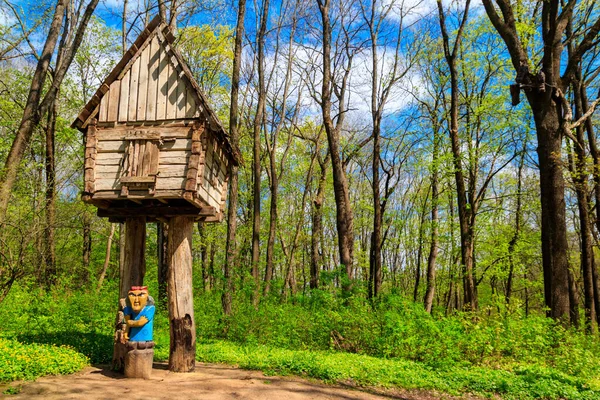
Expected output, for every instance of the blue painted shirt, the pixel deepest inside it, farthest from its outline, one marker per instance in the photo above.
(143, 333)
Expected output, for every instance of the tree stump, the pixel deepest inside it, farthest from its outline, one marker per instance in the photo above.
(182, 355)
(138, 360)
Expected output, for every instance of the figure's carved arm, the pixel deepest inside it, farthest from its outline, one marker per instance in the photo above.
(136, 323)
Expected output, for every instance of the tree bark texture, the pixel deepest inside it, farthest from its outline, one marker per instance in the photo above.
(31, 116)
(50, 164)
(465, 212)
(233, 180)
(433, 247)
(344, 215)
(182, 354)
(162, 249)
(134, 266)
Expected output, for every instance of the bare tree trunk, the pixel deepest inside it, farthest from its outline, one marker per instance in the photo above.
(420, 252)
(515, 238)
(50, 163)
(256, 168)
(106, 257)
(87, 245)
(317, 225)
(163, 258)
(233, 180)
(344, 214)
(580, 180)
(124, 25)
(465, 213)
(31, 116)
(433, 248)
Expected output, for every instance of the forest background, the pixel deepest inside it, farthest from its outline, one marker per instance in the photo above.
(401, 219)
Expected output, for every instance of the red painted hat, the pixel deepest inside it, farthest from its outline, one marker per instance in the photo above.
(139, 288)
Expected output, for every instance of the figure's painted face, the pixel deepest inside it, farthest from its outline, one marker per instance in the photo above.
(138, 299)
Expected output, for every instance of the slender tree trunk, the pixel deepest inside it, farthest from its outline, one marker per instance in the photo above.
(233, 180)
(589, 127)
(163, 258)
(316, 237)
(433, 248)
(420, 252)
(256, 167)
(464, 210)
(124, 24)
(580, 180)
(31, 115)
(515, 238)
(344, 215)
(106, 257)
(49, 243)
(87, 244)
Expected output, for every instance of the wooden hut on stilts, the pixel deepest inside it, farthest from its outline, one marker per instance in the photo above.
(155, 151)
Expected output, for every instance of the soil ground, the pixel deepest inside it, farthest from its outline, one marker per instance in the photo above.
(208, 382)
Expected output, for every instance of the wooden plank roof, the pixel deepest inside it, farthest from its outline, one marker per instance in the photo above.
(104, 104)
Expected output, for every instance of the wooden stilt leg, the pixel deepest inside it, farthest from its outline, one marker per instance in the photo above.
(135, 249)
(182, 356)
(132, 274)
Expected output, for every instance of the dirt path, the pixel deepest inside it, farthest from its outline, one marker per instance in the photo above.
(208, 382)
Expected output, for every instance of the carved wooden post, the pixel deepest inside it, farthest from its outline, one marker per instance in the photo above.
(182, 355)
(132, 274)
(134, 267)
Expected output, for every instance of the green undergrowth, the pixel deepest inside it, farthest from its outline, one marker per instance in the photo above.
(521, 382)
(320, 335)
(20, 361)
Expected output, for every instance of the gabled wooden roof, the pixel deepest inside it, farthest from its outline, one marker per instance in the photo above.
(152, 83)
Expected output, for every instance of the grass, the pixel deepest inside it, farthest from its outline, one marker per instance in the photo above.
(21, 361)
(522, 382)
(320, 336)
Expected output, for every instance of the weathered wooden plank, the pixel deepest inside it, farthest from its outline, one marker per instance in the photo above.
(131, 134)
(177, 144)
(190, 106)
(142, 155)
(173, 171)
(133, 91)
(112, 146)
(163, 85)
(169, 183)
(181, 97)
(102, 114)
(153, 63)
(113, 101)
(138, 179)
(172, 93)
(124, 97)
(109, 159)
(143, 85)
(173, 157)
(107, 184)
(154, 157)
(136, 157)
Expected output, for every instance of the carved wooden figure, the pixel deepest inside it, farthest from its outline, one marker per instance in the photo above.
(155, 151)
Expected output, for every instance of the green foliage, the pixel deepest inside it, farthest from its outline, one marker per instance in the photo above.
(28, 361)
(320, 335)
(522, 383)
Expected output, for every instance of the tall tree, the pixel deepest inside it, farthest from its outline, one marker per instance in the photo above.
(333, 120)
(545, 90)
(465, 213)
(234, 137)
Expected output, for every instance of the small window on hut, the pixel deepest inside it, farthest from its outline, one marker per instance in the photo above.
(140, 162)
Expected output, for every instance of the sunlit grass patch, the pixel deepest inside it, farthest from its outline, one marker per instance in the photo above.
(20, 361)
